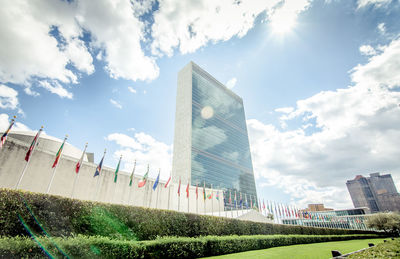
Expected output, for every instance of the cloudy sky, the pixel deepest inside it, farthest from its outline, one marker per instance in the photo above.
(320, 81)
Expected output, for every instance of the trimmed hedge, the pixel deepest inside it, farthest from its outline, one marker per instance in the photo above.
(61, 216)
(389, 249)
(172, 247)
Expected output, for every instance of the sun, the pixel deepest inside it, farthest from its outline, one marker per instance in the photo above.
(282, 24)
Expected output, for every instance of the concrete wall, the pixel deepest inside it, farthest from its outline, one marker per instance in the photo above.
(103, 188)
(182, 155)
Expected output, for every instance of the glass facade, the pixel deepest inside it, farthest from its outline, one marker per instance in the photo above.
(220, 145)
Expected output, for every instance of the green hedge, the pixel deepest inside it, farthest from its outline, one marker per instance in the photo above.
(390, 249)
(65, 217)
(172, 247)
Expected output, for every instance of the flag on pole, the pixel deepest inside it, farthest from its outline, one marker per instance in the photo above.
(98, 169)
(204, 191)
(197, 191)
(4, 136)
(235, 201)
(230, 197)
(241, 200)
(209, 196)
(33, 145)
(157, 180)
(217, 196)
(169, 179)
(116, 170)
(179, 187)
(132, 174)
(79, 164)
(187, 191)
(144, 179)
(58, 155)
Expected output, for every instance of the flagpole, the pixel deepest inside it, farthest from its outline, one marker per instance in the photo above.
(204, 193)
(169, 194)
(219, 204)
(115, 180)
(179, 194)
(2, 142)
(131, 184)
(55, 168)
(27, 162)
(212, 202)
(197, 198)
(236, 208)
(77, 173)
(98, 180)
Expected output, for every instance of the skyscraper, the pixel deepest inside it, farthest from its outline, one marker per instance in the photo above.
(211, 143)
(376, 192)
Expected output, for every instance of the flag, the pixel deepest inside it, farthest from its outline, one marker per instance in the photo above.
(204, 191)
(187, 191)
(230, 198)
(117, 169)
(263, 204)
(197, 191)
(4, 136)
(241, 200)
(217, 197)
(235, 201)
(33, 145)
(209, 196)
(98, 169)
(132, 174)
(59, 153)
(179, 187)
(169, 179)
(79, 164)
(144, 179)
(156, 182)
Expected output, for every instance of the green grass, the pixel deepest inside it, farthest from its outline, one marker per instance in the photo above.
(308, 251)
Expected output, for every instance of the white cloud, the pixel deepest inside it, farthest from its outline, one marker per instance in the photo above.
(118, 32)
(55, 41)
(131, 90)
(145, 150)
(285, 109)
(8, 98)
(381, 27)
(5, 122)
(116, 104)
(376, 3)
(231, 83)
(367, 50)
(28, 50)
(56, 88)
(354, 130)
(190, 25)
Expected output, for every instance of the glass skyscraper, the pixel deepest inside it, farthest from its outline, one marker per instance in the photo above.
(211, 143)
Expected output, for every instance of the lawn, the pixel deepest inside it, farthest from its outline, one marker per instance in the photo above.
(307, 251)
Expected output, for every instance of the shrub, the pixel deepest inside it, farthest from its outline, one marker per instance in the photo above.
(171, 247)
(58, 216)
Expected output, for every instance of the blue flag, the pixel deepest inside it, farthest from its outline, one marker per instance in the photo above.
(156, 182)
(98, 169)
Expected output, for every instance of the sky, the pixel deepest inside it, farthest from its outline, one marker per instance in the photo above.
(320, 82)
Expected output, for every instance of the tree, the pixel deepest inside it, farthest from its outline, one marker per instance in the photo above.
(388, 222)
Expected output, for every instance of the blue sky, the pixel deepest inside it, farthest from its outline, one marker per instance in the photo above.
(319, 80)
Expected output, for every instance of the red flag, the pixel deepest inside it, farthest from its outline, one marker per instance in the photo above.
(197, 191)
(33, 144)
(58, 155)
(79, 164)
(187, 191)
(179, 188)
(169, 179)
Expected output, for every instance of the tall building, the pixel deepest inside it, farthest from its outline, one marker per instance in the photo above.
(376, 192)
(211, 144)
